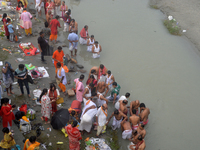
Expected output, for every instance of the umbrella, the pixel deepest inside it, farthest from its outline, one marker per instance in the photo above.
(60, 119)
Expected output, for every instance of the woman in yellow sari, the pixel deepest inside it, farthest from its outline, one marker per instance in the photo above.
(31, 144)
(8, 140)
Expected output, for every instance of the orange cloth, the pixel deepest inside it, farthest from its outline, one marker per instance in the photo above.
(62, 87)
(32, 146)
(53, 37)
(104, 111)
(58, 56)
(25, 118)
(59, 71)
(66, 69)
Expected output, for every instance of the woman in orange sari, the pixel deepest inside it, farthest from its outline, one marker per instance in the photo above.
(31, 144)
(74, 136)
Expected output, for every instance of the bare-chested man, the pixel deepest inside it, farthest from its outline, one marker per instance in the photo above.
(95, 70)
(118, 117)
(87, 92)
(101, 88)
(141, 131)
(73, 26)
(134, 105)
(109, 79)
(126, 129)
(139, 145)
(122, 107)
(48, 17)
(144, 113)
(57, 7)
(102, 70)
(134, 120)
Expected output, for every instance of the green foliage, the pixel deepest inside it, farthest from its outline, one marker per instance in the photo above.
(172, 27)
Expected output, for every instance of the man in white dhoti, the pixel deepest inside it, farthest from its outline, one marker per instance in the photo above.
(101, 100)
(96, 49)
(126, 129)
(127, 95)
(38, 5)
(88, 113)
(84, 35)
(118, 117)
(87, 93)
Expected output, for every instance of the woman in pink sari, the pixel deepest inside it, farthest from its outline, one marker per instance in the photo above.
(79, 88)
(74, 136)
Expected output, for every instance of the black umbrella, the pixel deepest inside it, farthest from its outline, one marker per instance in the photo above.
(60, 119)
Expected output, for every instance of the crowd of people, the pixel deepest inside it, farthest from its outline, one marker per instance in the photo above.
(101, 86)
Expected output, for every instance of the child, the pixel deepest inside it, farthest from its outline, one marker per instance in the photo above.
(8, 140)
(10, 30)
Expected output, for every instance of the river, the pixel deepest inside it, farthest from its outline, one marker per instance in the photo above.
(157, 68)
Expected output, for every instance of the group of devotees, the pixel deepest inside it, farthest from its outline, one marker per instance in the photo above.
(101, 87)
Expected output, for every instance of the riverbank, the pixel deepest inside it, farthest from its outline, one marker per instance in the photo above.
(185, 12)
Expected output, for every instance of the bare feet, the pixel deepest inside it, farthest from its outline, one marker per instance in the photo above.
(12, 92)
(42, 118)
(21, 94)
(47, 122)
(8, 94)
(29, 95)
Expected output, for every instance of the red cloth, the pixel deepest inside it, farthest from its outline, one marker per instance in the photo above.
(101, 73)
(7, 116)
(5, 27)
(54, 95)
(54, 25)
(76, 105)
(18, 8)
(74, 137)
(90, 81)
(28, 51)
(138, 145)
(83, 33)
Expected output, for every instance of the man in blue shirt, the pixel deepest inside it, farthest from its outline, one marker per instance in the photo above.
(10, 30)
(73, 42)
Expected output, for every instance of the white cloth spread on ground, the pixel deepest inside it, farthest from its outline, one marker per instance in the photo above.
(126, 134)
(116, 123)
(37, 93)
(86, 119)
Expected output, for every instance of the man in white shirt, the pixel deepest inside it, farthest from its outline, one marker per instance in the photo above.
(101, 117)
(38, 5)
(60, 75)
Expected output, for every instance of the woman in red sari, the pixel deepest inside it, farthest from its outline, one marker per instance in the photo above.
(53, 94)
(6, 112)
(93, 81)
(74, 136)
(49, 6)
(5, 25)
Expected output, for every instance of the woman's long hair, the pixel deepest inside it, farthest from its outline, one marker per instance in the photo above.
(20, 3)
(43, 93)
(4, 101)
(4, 16)
(51, 86)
